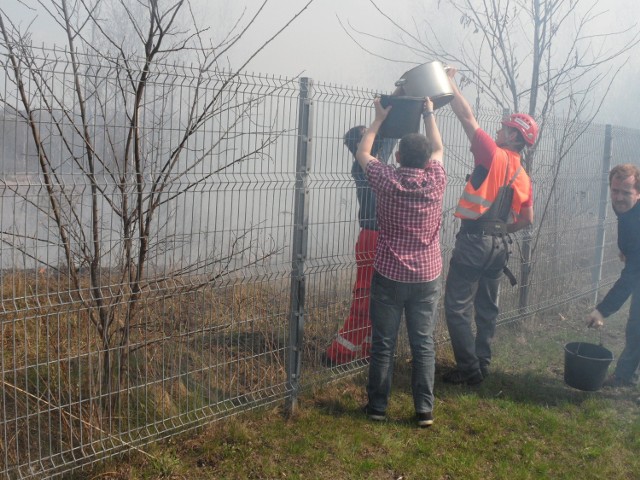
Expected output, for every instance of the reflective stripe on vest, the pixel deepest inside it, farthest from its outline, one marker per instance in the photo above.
(474, 203)
(466, 213)
(470, 197)
(346, 343)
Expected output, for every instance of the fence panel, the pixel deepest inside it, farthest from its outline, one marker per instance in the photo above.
(146, 269)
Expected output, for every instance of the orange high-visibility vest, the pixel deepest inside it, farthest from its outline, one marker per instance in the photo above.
(474, 202)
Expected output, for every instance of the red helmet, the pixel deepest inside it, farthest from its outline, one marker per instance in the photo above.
(525, 124)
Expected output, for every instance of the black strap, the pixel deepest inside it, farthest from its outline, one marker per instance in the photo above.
(509, 274)
(515, 175)
(484, 227)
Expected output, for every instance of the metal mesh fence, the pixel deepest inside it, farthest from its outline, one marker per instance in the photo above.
(186, 255)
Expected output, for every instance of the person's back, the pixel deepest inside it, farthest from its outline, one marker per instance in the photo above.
(408, 262)
(409, 213)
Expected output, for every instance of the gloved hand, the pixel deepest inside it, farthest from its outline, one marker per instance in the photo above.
(595, 319)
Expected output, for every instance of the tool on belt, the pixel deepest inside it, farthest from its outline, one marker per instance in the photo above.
(493, 222)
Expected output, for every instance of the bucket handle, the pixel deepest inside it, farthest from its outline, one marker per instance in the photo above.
(599, 343)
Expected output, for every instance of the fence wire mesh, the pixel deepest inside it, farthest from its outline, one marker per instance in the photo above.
(148, 244)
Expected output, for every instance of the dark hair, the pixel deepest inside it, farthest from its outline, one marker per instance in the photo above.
(520, 142)
(414, 150)
(624, 171)
(354, 135)
(352, 138)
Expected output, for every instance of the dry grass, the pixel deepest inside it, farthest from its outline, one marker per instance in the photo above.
(193, 354)
(523, 422)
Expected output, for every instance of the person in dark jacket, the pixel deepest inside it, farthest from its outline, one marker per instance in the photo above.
(624, 186)
(354, 338)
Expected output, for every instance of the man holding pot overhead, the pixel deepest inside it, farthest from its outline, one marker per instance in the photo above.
(354, 338)
(497, 200)
(624, 186)
(408, 262)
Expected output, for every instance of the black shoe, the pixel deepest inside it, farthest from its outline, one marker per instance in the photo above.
(425, 419)
(329, 362)
(326, 361)
(375, 415)
(616, 382)
(457, 377)
(484, 369)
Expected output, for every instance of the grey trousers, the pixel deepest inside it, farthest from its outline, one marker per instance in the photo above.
(473, 283)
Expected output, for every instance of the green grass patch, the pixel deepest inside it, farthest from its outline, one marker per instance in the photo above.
(523, 422)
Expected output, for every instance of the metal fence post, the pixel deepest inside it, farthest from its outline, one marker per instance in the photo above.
(596, 273)
(299, 247)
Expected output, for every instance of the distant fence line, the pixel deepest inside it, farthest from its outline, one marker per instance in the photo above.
(250, 262)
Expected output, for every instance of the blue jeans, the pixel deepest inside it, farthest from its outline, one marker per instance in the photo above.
(419, 302)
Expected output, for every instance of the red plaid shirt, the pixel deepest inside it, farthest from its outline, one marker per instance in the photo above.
(409, 214)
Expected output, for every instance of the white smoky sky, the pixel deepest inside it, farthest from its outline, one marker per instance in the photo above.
(316, 44)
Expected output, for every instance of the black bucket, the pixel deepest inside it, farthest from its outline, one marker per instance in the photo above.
(404, 116)
(586, 365)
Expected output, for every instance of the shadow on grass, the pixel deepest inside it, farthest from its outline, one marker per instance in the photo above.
(546, 389)
(528, 387)
(535, 386)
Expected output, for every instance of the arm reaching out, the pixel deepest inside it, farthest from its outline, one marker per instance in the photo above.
(432, 131)
(363, 155)
(461, 107)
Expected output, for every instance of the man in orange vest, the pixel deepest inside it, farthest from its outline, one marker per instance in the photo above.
(497, 200)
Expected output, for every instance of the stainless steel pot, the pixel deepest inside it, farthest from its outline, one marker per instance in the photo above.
(427, 80)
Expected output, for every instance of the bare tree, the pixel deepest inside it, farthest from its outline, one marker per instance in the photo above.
(94, 109)
(549, 58)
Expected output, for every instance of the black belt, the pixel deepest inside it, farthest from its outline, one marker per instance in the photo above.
(478, 227)
(492, 229)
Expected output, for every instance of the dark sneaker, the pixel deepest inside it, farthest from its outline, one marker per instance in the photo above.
(374, 415)
(616, 382)
(457, 377)
(425, 419)
(484, 369)
(329, 362)
(326, 361)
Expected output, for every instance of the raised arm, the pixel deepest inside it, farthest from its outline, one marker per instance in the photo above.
(461, 107)
(432, 131)
(363, 155)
